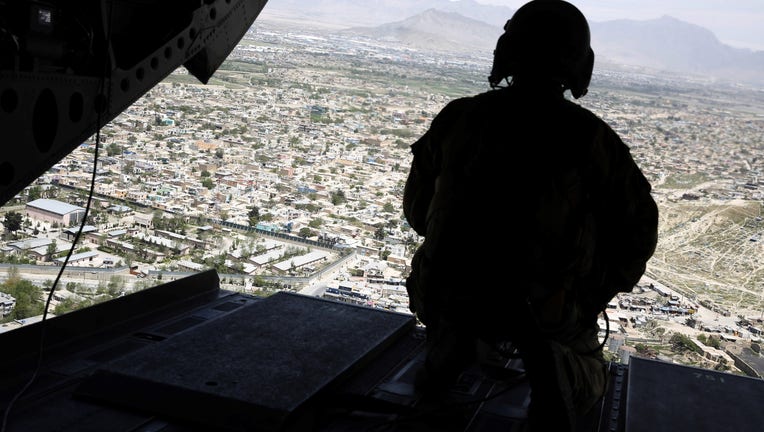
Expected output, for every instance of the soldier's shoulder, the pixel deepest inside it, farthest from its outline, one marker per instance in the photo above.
(452, 111)
(480, 102)
(459, 105)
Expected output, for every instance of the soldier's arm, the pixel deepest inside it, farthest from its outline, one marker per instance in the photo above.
(631, 222)
(420, 185)
(425, 166)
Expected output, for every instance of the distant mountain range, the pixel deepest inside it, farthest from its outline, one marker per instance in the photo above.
(425, 31)
(664, 43)
(353, 13)
(671, 44)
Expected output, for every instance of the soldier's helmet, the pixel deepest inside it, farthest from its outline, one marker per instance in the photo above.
(548, 39)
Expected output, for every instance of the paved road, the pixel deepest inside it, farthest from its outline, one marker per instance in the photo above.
(318, 286)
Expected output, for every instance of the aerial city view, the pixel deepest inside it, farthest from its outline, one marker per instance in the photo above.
(286, 172)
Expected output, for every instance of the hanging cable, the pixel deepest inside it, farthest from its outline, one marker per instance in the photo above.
(43, 322)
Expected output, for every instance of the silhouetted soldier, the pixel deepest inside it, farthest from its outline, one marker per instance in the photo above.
(534, 216)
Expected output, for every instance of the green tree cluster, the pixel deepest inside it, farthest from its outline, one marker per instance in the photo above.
(29, 297)
(113, 149)
(306, 232)
(338, 197)
(175, 224)
(683, 343)
(12, 221)
(254, 215)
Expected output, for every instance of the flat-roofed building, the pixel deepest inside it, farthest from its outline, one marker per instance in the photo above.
(300, 261)
(7, 303)
(143, 219)
(24, 246)
(70, 234)
(79, 258)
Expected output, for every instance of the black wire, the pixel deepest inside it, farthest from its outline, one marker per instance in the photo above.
(44, 320)
(601, 346)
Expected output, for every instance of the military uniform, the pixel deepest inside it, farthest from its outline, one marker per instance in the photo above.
(534, 215)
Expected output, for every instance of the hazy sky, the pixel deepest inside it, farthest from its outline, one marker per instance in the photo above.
(739, 23)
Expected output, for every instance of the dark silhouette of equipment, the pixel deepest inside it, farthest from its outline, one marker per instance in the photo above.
(68, 68)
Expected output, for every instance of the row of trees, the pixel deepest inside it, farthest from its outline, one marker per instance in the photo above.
(13, 221)
(30, 298)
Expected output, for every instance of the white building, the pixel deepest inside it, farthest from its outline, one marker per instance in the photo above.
(54, 211)
(7, 303)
